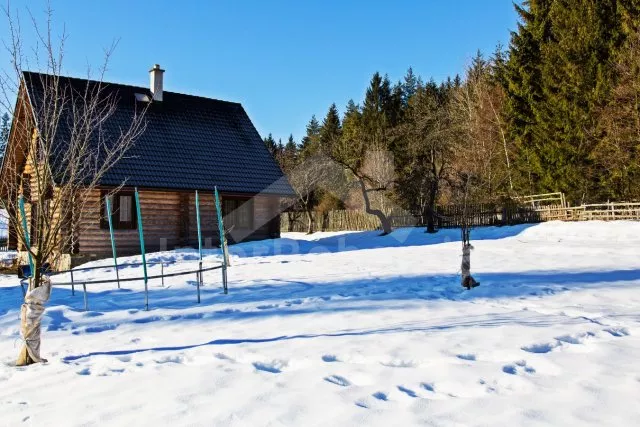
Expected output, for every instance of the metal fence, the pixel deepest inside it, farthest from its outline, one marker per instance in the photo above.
(78, 281)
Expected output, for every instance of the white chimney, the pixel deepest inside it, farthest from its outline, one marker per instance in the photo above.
(155, 79)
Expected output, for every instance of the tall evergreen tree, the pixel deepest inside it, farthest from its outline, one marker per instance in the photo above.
(410, 86)
(289, 154)
(311, 141)
(499, 66)
(331, 129)
(523, 85)
(271, 145)
(577, 77)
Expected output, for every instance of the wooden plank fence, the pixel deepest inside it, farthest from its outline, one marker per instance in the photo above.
(451, 216)
(446, 217)
(612, 211)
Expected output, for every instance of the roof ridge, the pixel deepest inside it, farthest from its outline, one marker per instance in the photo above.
(130, 86)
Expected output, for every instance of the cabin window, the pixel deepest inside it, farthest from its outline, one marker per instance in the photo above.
(238, 213)
(123, 212)
(125, 208)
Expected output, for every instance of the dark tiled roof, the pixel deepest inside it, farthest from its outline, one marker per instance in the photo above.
(189, 143)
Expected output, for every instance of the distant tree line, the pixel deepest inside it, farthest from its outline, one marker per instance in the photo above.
(559, 110)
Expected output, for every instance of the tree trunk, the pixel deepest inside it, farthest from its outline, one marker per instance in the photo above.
(309, 221)
(31, 316)
(433, 193)
(431, 225)
(290, 222)
(385, 223)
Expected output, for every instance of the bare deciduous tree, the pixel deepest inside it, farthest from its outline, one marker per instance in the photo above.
(313, 173)
(59, 149)
(483, 144)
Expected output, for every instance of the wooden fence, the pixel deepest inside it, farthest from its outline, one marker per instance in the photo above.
(339, 220)
(603, 211)
(445, 217)
(485, 215)
(451, 216)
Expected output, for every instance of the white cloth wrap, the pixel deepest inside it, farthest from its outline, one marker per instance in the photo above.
(31, 317)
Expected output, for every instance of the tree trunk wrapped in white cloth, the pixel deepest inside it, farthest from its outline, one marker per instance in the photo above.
(31, 318)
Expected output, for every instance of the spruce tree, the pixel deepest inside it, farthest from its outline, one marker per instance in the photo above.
(523, 87)
(271, 145)
(289, 154)
(331, 129)
(577, 77)
(311, 141)
(410, 85)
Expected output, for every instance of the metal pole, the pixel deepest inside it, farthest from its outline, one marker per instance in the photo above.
(144, 257)
(113, 240)
(223, 239)
(73, 286)
(199, 281)
(198, 224)
(26, 233)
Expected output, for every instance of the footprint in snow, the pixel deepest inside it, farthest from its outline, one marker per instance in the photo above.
(509, 369)
(399, 364)
(223, 356)
(575, 339)
(540, 348)
(338, 380)
(380, 396)
(513, 369)
(407, 391)
(272, 368)
(329, 358)
(470, 357)
(85, 371)
(429, 387)
(170, 359)
(618, 332)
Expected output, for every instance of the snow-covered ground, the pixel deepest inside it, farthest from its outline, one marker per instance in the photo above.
(349, 329)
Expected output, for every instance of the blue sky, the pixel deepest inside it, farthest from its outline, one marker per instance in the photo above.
(283, 60)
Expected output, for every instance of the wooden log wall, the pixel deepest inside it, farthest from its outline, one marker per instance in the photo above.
(163, 220)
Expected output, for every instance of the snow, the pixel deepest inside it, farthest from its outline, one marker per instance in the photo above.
(348, 329)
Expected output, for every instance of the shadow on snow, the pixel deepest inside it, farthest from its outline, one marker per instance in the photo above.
(300, 298)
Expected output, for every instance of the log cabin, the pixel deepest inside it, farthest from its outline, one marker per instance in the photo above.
(189, 143)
